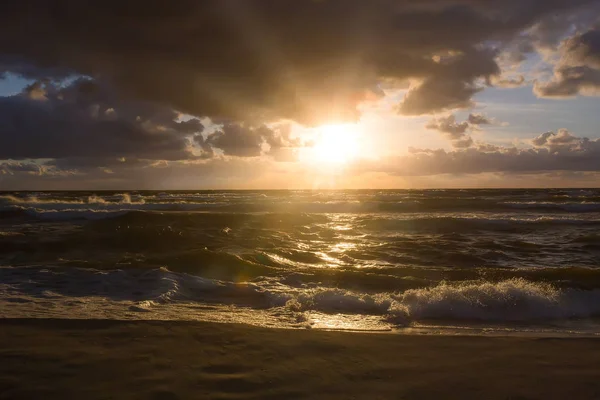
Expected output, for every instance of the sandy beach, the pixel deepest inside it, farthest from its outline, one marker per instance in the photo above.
(94, 359)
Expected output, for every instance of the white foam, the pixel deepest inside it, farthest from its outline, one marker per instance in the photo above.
(10, 199)
(509, 300)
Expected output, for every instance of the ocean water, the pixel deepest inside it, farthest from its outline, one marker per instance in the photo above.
(431, 261)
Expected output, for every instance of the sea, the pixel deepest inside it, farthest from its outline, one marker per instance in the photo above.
(473, 262)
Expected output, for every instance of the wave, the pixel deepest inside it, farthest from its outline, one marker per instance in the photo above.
(148, 212)
(122, 198)
(74, 214)
(584, 206)
(151, 213)
(308, 202)
(473, 223)
(512, 300)
(63, 214)
(173, 211)
(84, 212)
(509, 300)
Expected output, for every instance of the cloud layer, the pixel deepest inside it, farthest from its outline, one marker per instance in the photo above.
(250, 60)
(122, 91)
(550, 151)
(85, 120)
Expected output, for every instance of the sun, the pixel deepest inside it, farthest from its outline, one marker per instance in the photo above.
(336, 144)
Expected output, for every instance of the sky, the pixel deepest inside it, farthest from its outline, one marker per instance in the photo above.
(299, 94)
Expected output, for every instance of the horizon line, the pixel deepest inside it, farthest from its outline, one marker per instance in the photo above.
(297, 190)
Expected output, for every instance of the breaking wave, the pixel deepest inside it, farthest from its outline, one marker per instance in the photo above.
(503, 301)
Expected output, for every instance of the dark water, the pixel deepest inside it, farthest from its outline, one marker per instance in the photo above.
(505, 259)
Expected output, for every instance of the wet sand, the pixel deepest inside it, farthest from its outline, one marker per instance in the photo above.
(63, 359)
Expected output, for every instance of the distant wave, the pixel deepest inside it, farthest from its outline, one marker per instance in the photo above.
(316, 203)
(584, 206)
(172, 213)
(123, 198)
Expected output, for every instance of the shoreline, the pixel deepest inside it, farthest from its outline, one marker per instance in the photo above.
(57, 358)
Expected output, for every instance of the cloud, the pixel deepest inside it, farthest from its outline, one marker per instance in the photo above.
(214, 173)
(114, 84)
(561, 151)
(562, 141)
(449, 126)
(241, 140)
(578, 70)
(559, 154)
(452, 130)
(542, 139)
(262, 60)
(509, 82)
(463, 143)
(453, 83)
(479, 119)
(583, 49)
(436, 95)
(86, 120)
(547, 33)
(12, 167)
(456, 132)
(238, 140)
(85, 126)
(569, 82)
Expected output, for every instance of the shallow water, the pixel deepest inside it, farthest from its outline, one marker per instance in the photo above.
(441, 260)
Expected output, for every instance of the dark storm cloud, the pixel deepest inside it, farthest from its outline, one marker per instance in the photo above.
(238, 140)
(260, 60)
(438, 94)
(246, 141)
(21, 66)
(453, 83)
(583, 49)
(84, 125)
(560, 151)
(547, 33)
(87, 121)
(578, 71)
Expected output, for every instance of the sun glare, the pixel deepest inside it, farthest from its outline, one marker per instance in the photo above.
(336, 144)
